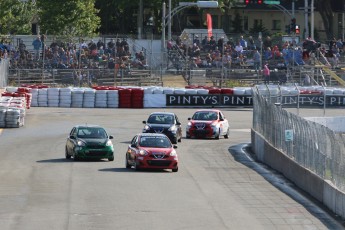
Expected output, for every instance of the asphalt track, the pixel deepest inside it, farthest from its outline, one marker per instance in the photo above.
(218, 186)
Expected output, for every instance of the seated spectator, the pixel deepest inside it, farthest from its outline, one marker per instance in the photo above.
(226, 60)
(238, 49)
(212, 44)
(195, 50)
(204, 43)
(268, 54)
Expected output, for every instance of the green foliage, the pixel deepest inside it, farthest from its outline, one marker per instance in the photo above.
(16, 16)
(72, 18)
(259, 27)
(237, 23)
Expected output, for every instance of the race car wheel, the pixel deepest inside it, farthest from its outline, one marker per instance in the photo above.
(175, 169)
(187, 136)
(75, 158)
(111, 158)
(227, 134)
(66, 154)
(217, 136)
(127, 165)
(136, 166)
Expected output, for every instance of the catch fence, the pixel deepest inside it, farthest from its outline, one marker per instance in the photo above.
(311, 145)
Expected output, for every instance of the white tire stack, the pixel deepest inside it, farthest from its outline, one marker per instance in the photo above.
(89, 98)
(101, 99)
(3, 117)
(77, 98)
(113, 98)
(42, 97)
(53, 97)
(34, 98)
(65, 97)
(14, 119)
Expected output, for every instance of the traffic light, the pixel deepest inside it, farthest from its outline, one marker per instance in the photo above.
(247, 2)
(293, 25)
(297, 29)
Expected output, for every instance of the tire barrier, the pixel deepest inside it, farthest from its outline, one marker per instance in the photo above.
(13, 105)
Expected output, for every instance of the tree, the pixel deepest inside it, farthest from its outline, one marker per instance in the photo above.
(16, 16)
(324, 7)
(237, 23)
(72, 18)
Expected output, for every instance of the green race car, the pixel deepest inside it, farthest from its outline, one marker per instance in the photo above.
(89, 142)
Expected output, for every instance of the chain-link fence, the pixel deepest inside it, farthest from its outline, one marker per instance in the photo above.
(311, 145)
(3, 72)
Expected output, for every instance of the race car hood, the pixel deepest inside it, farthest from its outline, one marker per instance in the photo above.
(159, 125)
(202, 122)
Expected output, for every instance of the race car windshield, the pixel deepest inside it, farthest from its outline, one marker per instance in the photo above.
(205, 116)
(155, 142)
(161, 119)
(90, 132)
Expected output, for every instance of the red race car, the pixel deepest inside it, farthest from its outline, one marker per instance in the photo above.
(207, 123)
(151, 150)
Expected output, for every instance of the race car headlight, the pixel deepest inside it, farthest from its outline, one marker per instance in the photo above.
(214, 125)
(81, 143)
(147, 127)
(143, 152)
(109, 143)
(189, 124)
(173, 153)
(173, 128)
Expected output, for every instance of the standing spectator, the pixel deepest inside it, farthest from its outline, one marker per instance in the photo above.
(267, 43)
(196, 40)
(243, 42)
(100, 43)
(251, 43)
(266, 74)
(37, 44)
(257, 60)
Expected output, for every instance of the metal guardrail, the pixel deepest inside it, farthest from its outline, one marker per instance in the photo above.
(313, 146)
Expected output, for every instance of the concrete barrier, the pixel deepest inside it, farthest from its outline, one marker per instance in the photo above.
(322, 190)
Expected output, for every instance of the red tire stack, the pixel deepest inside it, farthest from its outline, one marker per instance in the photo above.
(228, 91)
(25, 92)
(214, 91)
(125, 100)
(137, 98)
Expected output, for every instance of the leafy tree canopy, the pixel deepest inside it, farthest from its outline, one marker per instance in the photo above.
(74, 18)
(16, 16)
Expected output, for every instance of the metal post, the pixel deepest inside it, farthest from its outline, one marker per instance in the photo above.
(342, 25)
(163, 34)
(306, 18)
(163, 27)
(140, 20)
(312, 19)
(169, 21)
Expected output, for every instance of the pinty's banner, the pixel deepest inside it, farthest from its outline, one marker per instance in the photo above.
(209, 25)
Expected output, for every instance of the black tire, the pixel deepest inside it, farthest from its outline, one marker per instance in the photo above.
(226, 136)
(66, 154)
(111, 158)
(75, 158)
(128, 166)
(187, 136)
(136, 167)
(175, 169)
(174, 141)
(217, 137)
